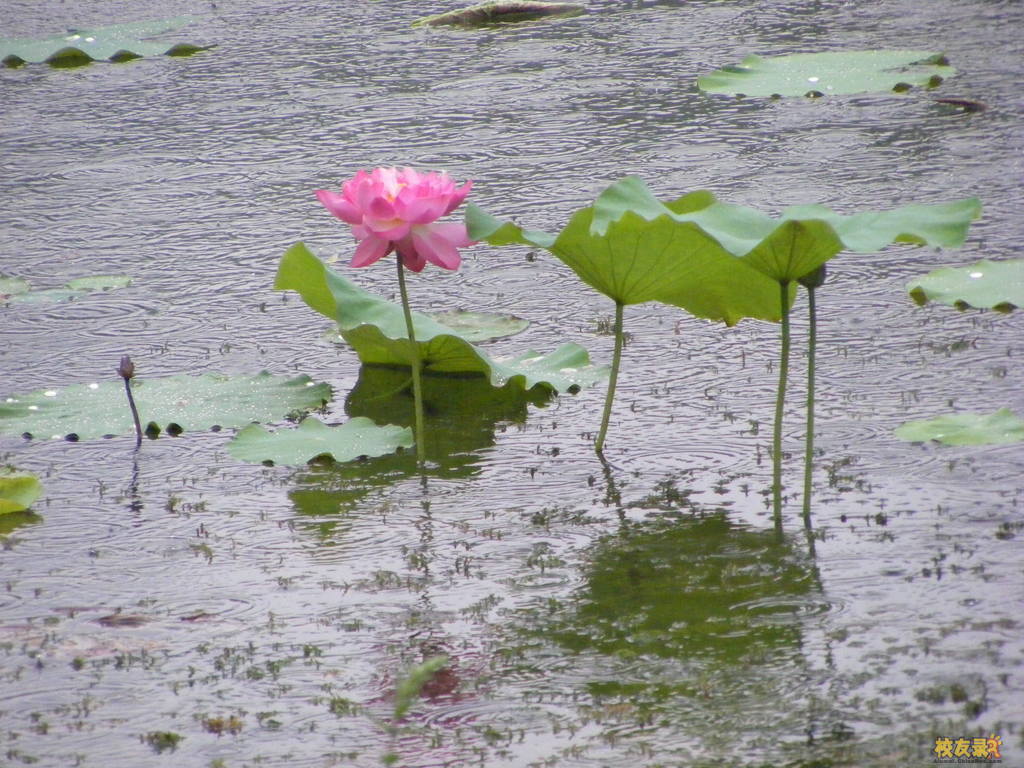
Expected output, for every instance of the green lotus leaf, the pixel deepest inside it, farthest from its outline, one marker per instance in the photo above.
(18, 490)
(99, 282)
(120, 42)
(17, 291)
(480, 326)
(501, 12)
(312, 438)
(819, 74)
(12, 286)
(985, 284)
(189, 402)
(1003, 426)
(375, 328)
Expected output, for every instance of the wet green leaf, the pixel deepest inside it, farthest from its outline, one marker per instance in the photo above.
(119, 42)
(717, 260)
(12, 286)
(312, 438)
(480, 326)
(375, 328)
(1003, 426)
(99, 282)
(18, 490)
(818, 74)
(983, 285)
(190, 402)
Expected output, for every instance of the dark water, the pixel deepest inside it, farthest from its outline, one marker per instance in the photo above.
(646, 617)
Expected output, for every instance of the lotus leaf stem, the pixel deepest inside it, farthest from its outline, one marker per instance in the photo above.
(610, 396)
(812, 340)
(417, 364)
(780, 399)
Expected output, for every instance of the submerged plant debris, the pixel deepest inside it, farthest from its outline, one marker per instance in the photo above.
(498, 12)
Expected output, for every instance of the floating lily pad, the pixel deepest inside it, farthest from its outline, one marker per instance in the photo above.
(15, 290)
(12, 286)
(1003, 426)
(498, 12)
(820, 74)
(185, 402)
(18, 490)
(312, 438)
(375, 329)
(120, 42)
(480, 326)
(995, 285)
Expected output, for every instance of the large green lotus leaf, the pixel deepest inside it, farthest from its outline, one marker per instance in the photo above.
(190, 402)
(119, 42)
(312, 438)
(633, 249)
(18, 490)
(794, 249)
(986, 284)
(501, 12)
(828, 73)
(376, 330)
(1003, 426)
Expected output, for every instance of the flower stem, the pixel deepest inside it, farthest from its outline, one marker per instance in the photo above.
(126, 370)
(780, 399)
(812, 340)
(616, 357)
(417, 364)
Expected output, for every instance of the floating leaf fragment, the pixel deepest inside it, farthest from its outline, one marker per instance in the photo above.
(312, 439)
(997, 285)
(18, 490)
(498, 12)
(1003, 426)
(819, 74)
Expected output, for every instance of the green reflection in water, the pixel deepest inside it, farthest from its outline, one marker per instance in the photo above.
(689, 588)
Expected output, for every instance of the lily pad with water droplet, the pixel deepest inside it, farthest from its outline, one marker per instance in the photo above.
(119, 42)
(312, 439)
(819, 74)
(18, 490)
(986, 284)
(1003, 426)
(480, 326)
(375, 328)
(189, 402)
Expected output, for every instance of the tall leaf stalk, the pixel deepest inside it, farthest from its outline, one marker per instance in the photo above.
(417, 365)
(780, 401)
(613, 379)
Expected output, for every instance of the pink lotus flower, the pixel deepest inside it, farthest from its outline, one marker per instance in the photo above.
(394, 209)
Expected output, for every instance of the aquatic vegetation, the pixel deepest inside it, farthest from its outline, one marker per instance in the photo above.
(997, 285)
(18, 490)
(1003, 426)
(16, 290)
(393, 209)
(312, 438)
(118, 42)
(172, 404)
(501, 12)
(821, 74)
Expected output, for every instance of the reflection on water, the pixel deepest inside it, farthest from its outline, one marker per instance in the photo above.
(703, 589)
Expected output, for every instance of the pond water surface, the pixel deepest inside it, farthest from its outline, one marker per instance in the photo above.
(643, 615)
